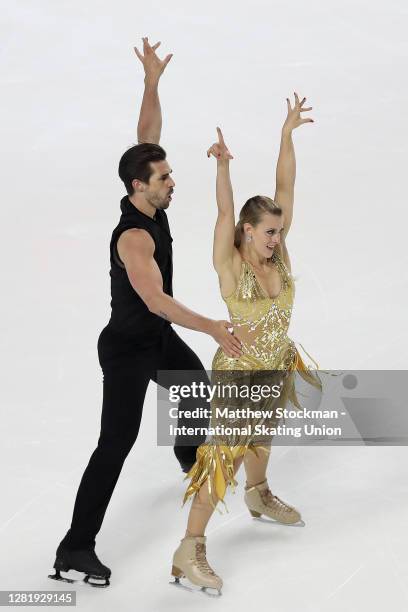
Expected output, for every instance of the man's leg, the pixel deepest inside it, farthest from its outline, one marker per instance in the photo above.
(123, 396)
(177, 356)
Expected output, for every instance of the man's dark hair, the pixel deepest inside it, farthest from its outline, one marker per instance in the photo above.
(135, 163)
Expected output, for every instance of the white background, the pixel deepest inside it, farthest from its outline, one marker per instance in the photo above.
(71, 97)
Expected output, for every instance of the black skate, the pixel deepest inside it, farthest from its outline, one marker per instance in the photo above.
(83, 560)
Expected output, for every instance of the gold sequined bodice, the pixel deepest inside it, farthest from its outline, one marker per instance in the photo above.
(260, 322)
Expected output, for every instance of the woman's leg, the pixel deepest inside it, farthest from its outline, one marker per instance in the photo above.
(255, 467)
(259, 497)
(201, 509)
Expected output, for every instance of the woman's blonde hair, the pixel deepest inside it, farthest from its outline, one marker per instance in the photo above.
(252, 212)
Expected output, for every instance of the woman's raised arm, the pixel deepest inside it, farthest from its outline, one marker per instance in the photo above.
(286, 166)
(224, 232)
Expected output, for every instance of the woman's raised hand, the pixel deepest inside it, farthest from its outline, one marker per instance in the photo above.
(219, 149)
(293, 119)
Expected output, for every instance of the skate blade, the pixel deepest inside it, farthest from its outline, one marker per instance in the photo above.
(269, 520)
(95, 581)
(193, 588)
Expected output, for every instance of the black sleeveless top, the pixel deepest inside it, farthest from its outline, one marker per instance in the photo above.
(130, 315)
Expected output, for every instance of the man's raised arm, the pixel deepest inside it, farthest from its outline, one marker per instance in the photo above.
(150, 119)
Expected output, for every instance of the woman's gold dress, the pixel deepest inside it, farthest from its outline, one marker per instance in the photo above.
(268, 357)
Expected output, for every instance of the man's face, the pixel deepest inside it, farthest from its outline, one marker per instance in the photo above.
(160, 187)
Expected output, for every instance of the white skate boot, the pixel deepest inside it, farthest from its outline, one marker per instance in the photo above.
(260, 500)
(190, 561)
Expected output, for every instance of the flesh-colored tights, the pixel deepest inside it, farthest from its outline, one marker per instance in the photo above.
(201, 509)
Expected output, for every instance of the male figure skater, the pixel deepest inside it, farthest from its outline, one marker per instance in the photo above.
(139, 339)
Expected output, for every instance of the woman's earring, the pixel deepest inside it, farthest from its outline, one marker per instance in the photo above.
(248, 237)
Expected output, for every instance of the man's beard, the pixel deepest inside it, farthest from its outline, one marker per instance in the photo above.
(159, 203)
(162, 205)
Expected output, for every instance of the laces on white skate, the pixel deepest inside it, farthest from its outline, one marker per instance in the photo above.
(200, 561)
(273, 501)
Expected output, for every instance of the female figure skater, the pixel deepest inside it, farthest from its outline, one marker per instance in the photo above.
(253, 267)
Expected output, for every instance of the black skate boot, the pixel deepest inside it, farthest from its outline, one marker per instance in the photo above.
(81, 560)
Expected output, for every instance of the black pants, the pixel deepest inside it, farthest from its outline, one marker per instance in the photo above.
(127, 369)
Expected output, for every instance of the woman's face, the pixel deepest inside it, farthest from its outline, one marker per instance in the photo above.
(265, 235)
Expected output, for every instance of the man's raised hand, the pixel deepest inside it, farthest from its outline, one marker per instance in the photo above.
(153, 65)
(219, 149)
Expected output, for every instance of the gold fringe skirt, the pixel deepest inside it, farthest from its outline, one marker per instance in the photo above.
(214, 463)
